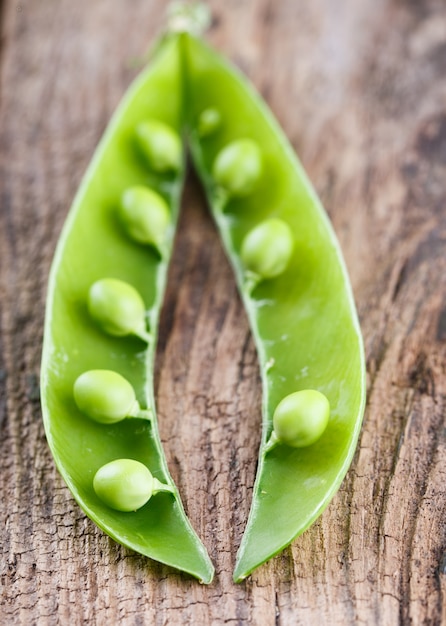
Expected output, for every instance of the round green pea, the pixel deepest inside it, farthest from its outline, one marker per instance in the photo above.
(238, 167)
(105, 396)
(161, 145)
(145, 215)
(301, 418)
(117, 307)
(208, 121)
(124, 484)
(267, 248)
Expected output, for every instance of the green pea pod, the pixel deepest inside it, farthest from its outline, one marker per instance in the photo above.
(89, 321)
(104, 299)
(302, 316)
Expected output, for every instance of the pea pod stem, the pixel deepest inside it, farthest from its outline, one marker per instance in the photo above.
(150, 319)
(251, 281)
(164, 252)
(145, 414)
(159, 487)
(188, 17)
(271, 443)
(144, 336)
(221, 199)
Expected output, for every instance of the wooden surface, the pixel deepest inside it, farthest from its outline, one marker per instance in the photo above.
(360, 89)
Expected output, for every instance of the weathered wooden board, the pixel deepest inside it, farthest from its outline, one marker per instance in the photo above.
(360, 88)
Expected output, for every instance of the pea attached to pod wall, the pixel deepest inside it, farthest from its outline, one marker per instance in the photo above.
(161, 145)
(266, 250)
(118, 308)
(145, 216)
(299, 419)
(209, 122)
(238, 167)
(126, 485)
(106, 397)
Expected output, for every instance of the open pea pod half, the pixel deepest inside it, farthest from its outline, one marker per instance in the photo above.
(120, 228)
(302, 316)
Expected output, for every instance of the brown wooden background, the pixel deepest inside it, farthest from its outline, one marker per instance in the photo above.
(360, 88)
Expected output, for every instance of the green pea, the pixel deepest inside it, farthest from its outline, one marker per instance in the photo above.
(208, 122)
(300, 419)
(161, 145)
(106, 397)
(145, 215)
(267, 248)
(238, 167)
(126, 485)
(117, 307)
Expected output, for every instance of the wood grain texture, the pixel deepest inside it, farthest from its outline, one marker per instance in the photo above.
(360, 89)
